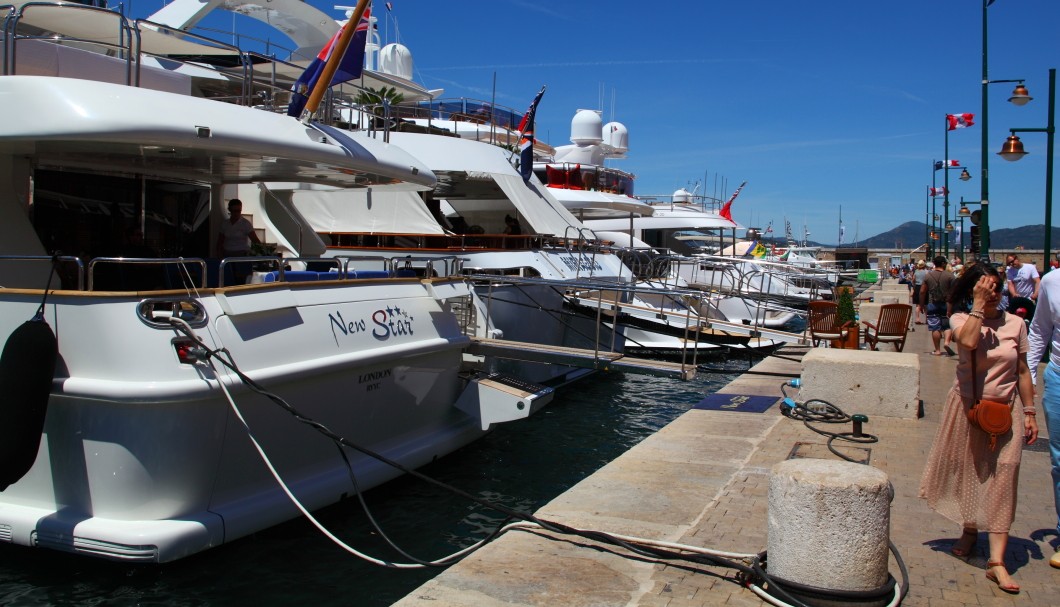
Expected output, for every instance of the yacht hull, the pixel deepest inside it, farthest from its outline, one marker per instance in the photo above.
(144, 459)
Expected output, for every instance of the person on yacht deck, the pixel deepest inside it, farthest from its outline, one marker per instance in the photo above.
(235, 238)
(237, 233)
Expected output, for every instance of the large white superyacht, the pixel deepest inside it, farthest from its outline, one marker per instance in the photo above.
(142, 385)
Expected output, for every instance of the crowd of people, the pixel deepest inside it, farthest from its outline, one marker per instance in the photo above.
(1000, 325)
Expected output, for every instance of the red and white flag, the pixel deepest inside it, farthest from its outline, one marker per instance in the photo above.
(726, 209)
(952, 163)
(959, 121)
(936, 191)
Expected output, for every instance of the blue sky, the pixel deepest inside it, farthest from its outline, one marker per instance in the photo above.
(819, 106)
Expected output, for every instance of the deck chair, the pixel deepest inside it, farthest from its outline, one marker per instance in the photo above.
(891, 327)
(823, 322)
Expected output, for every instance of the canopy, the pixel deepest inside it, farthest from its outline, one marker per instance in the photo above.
(367, 210)
(608, 204)
(543, 212)
(469, 169)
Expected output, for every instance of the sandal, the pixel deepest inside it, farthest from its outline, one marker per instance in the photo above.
(1011, 587)
(965, 545)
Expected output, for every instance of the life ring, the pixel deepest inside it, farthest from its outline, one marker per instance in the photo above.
(27, 366)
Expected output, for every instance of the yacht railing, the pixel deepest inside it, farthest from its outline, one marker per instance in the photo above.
(404, 266)
(104, 31)
(578, 176)
(179, 263)
(707, 204)
(7, 11)
(753, 278)
(80, 274)
(90, 19)
(582, 246)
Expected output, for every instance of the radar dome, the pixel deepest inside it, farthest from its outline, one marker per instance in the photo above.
(396, 60)
(616, 136)
(682, 195)
(586, 128)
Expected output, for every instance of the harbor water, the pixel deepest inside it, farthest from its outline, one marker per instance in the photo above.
(522, 465)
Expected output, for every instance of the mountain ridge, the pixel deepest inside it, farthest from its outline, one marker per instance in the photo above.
(910, 235)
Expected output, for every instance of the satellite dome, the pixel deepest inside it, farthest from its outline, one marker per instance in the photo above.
(586, 128)
(682, 195)
(617, 136)
(396, 60)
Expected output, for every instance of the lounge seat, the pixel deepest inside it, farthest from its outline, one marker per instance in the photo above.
(891, 327)
(823, 322)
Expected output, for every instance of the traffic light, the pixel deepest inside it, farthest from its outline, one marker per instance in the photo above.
(975, 239)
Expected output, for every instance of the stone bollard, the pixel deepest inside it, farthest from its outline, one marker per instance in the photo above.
(829, 526)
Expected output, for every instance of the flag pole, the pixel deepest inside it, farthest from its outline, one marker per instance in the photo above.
(332, 65)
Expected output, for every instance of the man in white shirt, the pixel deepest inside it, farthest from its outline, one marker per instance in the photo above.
(1045, 330)
(237, 233)
(234, 240)
(1023, 279)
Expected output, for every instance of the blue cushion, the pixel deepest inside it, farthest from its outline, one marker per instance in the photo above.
(336, 275)
(291, 276)
(371, 274)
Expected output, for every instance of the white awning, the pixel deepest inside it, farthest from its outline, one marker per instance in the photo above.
(575, 200)
(368, 210)
(544, 213)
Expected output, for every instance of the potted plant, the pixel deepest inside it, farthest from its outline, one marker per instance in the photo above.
(847, 319)
(378, 102)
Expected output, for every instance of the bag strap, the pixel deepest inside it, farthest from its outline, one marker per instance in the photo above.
(975, 395)
(937, 276)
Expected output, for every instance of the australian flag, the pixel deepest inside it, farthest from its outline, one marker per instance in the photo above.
(526, 138)
(349, 67)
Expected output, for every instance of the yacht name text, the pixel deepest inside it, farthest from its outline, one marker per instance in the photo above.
(574, 263)
(391, 321)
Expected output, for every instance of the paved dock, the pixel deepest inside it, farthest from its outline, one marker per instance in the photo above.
(703, 480)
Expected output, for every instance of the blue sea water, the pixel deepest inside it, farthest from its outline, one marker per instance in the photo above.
(522, 465)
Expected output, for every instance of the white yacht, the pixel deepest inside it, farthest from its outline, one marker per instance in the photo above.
(136, 428)
(604, 197)
(522, 277)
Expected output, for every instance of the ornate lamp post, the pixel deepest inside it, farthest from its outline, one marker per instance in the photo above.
(1019, 97)
(947, 165)
(1013, 150)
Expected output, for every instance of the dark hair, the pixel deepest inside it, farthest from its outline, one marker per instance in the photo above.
(940, 261)
(235, 201)
(961, 291)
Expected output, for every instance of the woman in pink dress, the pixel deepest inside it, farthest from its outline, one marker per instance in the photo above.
(965, 480)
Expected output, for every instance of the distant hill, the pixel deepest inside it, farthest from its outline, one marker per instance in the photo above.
(910, 235)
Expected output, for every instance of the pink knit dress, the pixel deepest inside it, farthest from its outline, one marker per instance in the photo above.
(964, 480)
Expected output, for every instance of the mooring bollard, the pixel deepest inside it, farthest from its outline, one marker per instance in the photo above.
(829, 527)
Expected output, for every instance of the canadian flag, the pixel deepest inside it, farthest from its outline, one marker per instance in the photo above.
(936, 191)
(952, 163)
(959, 121)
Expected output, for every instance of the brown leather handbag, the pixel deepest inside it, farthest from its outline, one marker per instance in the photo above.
(990, 416)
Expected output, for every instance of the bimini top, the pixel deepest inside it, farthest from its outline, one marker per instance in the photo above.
(96, 125)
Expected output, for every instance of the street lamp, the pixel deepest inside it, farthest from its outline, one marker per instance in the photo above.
(1019, 97)
(948, 165)
(1013, 150)
(963, 212)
